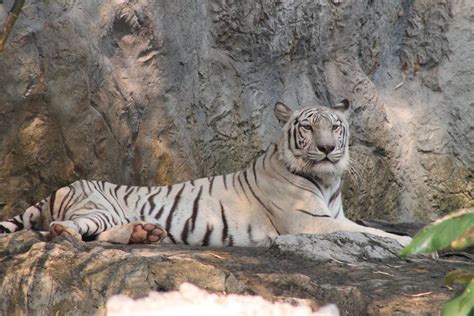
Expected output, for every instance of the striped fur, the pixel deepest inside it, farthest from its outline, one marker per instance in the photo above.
(294, 187)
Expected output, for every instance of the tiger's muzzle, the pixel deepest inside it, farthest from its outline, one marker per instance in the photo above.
(329, 155)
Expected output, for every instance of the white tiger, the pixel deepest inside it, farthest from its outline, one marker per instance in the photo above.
(294, 187)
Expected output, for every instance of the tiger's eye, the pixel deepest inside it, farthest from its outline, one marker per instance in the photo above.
(307, 127)
(335, 127)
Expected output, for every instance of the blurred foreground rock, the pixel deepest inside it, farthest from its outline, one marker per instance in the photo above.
(69, 277)
(190, 299)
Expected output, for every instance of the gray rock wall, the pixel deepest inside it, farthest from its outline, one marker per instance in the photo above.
(154, 92)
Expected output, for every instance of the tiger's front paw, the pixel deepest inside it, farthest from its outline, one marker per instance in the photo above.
(146, 233)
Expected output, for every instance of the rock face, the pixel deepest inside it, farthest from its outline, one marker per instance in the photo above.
(154, 92)
(70, 277)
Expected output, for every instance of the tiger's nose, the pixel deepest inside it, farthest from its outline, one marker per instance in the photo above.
(326, 148)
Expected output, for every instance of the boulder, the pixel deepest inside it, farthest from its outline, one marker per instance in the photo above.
(350, 247)
(71, 277)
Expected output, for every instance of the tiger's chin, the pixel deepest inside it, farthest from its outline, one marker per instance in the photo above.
(326, 170)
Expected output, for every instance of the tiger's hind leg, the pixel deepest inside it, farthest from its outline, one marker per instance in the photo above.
(90, 224)
(134, 233)
(63, 229)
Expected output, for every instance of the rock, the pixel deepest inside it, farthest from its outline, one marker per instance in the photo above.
(190, 299)
(72, 277)
(350, 247)
(169, 91)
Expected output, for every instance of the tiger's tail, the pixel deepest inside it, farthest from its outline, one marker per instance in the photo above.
(33, 218)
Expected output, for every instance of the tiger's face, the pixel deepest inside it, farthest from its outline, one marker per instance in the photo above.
(315, 140)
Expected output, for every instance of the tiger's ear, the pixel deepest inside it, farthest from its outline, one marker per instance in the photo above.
(282, 113)
(342, 106)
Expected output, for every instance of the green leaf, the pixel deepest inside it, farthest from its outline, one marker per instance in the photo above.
(464, 241)
(460, 276)
(461, 305)
(440, 234)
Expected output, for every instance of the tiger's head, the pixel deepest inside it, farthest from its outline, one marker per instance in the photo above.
(315, 140)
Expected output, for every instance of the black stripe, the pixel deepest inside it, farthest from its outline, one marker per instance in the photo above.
(344, 138)
(295, 130)
(184, 233)
(274, 227)
(118, 211)
(249, 233)
(242, 186)
(114, 220)
(113, 191)
(263, 160)
(195, 209)
(287, 180)
(96, 224)
(107, 219)
(171, 238)
(170, 187)
(335, 195)
(192, 182)
(83, 183)
(311, 214)
(274, 151)
(225, 182)
(70, 202)
(99, 222)
(100, 184)
(310, 179)
(142, 212)
(224, 223)
(31, 221)
(52, 197)
(289, 137)
(255, 172)
(127, 194)
(117, 188)
(233, 184)
(338, 211)
(233, 180)
(3, 229)
(78, 197)
(63, 205)
(87, 230)
(138, 195)
(255, 195)
(158, 215)
(173, 208)
(211, 182)
(18, 224)
(207, 235)
(151, 200)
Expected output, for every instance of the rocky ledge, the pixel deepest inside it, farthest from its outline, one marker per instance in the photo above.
(66, 276)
